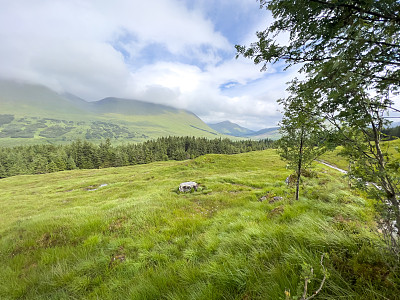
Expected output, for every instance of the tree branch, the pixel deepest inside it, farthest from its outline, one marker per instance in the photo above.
(305, 59)
(322, 282)
(369, 42)
(395, 109)
(391, 17)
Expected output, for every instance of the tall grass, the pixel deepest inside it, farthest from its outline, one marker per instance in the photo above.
(138, 238)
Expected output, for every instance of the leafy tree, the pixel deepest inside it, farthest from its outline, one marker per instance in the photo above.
(365, 34)
(70, 163)
(304, 134)
(3, 171)
(17, 165)
(52, 167)
(106, 154)
(57, 159)
(350, 51)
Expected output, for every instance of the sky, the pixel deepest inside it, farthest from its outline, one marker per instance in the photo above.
(173, 52)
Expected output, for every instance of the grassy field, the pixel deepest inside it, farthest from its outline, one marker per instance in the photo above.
(126, 233)
(334, 157)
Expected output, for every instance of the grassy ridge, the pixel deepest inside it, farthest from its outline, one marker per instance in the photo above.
(125, 233)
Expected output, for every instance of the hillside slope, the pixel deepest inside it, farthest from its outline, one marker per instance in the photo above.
(36, 101)
(31, 114)
(236, 130)
(267, 133)
(230, 128)
(125, 233)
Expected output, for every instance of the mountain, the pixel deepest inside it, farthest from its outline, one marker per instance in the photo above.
(35, 100)
(129, 107)
(230, 128)
(31, 114)
(233, 129)
(267, 133)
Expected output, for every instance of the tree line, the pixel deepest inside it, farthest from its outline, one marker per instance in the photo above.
(39, 159)
(392, 132)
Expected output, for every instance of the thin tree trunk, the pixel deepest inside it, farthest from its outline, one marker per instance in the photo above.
(386, 181)
(396, 209)
(299, 164)
(297, 186)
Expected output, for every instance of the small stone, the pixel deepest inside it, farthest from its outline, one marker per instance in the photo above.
(263, 198)
(291, 179)
(188, 186)
(277, 198)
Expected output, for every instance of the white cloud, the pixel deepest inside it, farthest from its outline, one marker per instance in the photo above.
(161, 52)
(252, 101)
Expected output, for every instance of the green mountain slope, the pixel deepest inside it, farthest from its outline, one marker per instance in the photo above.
(126, 233)
(40, 115)
(233, 129)
(22, 99)
(267, 133)
(230, 128)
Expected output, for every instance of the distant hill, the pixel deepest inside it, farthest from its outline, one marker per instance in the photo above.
(31, 114)
(267, 133)
(233, 129)
(230, 128)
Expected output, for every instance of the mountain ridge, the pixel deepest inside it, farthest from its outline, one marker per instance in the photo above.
(41, 115)
(229, 128)
(233, 129)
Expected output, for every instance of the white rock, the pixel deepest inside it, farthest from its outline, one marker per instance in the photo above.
(188, 186)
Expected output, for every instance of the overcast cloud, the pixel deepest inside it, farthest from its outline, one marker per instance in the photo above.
(174, 52)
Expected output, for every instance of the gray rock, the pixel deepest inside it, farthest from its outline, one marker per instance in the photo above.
(291, 179)
(188, 186)
(275, 199)
(263, 198)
